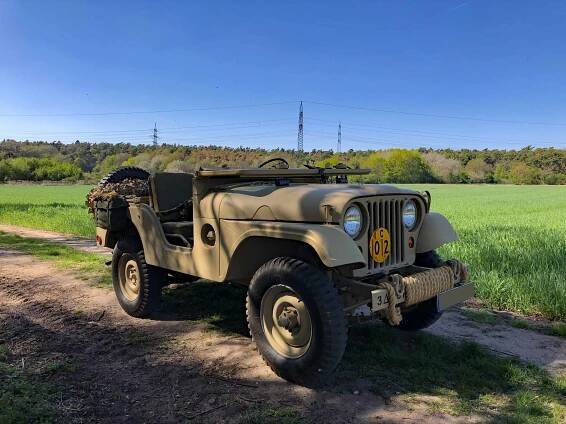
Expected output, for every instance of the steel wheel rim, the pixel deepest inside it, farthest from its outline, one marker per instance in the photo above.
(286, 321)
(129, 277)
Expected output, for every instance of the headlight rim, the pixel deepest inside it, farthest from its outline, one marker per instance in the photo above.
(362, 220)
(416, 219)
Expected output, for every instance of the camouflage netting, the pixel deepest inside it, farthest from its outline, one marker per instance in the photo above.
(127, 188)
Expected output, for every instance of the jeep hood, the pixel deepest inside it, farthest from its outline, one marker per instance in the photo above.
(298, 202)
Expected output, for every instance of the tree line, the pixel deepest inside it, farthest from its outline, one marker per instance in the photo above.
(83, 161)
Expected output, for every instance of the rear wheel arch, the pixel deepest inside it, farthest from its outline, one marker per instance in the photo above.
(111, 238)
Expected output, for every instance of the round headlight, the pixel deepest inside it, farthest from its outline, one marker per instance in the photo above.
(410, 214)
(353, 221)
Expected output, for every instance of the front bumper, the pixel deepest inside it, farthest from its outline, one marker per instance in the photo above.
(448, 284)
(454, 296)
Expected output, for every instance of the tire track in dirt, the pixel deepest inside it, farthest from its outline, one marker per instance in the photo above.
(123, 369)
(79, 243)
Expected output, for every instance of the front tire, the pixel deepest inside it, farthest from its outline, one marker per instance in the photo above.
(424, 314)
(137, 285)
(296, 318)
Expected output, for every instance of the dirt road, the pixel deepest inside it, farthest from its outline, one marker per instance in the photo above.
(176, 367)
(79, 243)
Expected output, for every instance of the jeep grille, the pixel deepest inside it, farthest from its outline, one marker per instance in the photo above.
(387, 213)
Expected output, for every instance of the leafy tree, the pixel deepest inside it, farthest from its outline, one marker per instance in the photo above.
(406, 166)
(478, 170)
(543, 165)
(521, 173)
(445, 169)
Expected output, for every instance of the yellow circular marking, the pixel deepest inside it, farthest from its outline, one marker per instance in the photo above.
(380, 245)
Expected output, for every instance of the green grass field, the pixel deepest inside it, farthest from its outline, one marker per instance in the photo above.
(57, 207)
(513, 237)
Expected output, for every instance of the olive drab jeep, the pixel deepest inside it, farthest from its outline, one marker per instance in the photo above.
(313, 250)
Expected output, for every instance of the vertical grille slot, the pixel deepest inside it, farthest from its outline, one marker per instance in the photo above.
(386, 213)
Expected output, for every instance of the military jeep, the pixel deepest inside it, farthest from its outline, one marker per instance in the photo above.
(314, 251)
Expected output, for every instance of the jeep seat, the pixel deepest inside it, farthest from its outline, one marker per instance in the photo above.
(171, 196)
(179, 233)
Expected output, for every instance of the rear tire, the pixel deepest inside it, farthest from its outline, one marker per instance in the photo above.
(424, 314)
(137, 285)
(296, 318)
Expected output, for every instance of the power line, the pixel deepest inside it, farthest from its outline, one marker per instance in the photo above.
(432, 115)
(123, 135)
(212, 137)
(248, 124)
(435, 134)
(222, 131)
(138, 112)
(335, 105)
(406, 144)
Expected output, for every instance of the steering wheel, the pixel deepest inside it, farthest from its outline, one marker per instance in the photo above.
(272, 160)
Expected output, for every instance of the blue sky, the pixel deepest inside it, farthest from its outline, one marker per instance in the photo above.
(410, 72)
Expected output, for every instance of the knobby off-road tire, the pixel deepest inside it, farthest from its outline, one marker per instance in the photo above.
(140, 297)
(284, 284)
(424, 314)
(123, 173)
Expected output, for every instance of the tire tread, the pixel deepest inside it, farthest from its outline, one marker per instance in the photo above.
(152, 277)
(331, 313)
(123, 173)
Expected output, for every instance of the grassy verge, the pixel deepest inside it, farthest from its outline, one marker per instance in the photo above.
(461, 379)
(88, 266)
(484, 316)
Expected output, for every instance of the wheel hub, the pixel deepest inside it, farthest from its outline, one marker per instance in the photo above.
(129, 278)
(286, 321)
(289, 319)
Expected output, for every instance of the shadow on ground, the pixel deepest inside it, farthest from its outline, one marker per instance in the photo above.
(462, 378)
(221, 305)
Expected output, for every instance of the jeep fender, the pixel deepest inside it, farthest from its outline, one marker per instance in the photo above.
(332, 245)
(435, 231)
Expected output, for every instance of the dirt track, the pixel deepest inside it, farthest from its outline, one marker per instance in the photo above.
(129, 370)
(170, 369)
(79, 243)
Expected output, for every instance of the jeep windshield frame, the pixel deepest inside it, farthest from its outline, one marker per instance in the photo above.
(271, 173)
